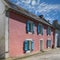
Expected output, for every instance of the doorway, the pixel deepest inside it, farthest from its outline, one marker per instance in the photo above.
(41, 45)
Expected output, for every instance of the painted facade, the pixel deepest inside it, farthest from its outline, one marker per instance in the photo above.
(57, 33)
(24, 34)
(57, 38)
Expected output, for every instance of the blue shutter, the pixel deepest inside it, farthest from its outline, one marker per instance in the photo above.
(32, 45)
(47, 31)
(42, 29)
(28, 26)
(33, 27)
(26, 45)
(47, 44)
(50, 31)
(38, 28)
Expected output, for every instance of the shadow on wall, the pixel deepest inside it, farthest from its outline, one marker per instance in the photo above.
(2, 48)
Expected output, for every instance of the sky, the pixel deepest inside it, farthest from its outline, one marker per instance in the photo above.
(49, 8)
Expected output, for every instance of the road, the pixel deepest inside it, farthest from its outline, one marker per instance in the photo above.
(51, 55)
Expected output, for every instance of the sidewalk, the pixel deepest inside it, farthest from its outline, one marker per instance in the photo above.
(36, 55)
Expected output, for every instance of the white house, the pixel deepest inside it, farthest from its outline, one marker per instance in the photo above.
(57, 38)
(3, 30)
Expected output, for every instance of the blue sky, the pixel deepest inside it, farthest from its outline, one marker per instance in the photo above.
(49, 8)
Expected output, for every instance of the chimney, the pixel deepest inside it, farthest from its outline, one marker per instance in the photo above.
(41, 16)
(48, 20)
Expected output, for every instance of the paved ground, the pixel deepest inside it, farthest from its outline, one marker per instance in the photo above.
(51, 55)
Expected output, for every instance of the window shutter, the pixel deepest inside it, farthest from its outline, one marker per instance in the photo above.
(50, 31)
(27, 26)
(25, 45)
(32, 45)
(38, 28)
(33, 27)
(47, 44)
(42, 29)
(47, 31)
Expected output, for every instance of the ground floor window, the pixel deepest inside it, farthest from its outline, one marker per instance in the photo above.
(48, 43)
(28, 45)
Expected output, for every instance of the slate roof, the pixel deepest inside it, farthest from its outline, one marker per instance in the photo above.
(56, 26)
(25, 13)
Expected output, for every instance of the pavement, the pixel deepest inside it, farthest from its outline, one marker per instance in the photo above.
(50, 55)
(53, 54)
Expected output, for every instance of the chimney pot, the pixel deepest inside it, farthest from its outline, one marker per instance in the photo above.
(41, 16)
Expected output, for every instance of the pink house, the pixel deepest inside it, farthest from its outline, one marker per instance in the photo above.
(25, 32)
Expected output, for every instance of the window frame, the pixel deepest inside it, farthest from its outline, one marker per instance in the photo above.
(30, 49)
(48, 42)
(41, 29)
(49, 30)
(31, 27)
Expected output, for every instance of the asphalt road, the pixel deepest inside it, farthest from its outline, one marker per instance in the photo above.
(51, 55)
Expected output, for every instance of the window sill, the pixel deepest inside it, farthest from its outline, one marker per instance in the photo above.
(30, 33)
(28, 51)
(48, 35)
(40, 34)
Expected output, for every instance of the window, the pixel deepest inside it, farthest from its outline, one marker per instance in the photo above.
(48, 43)
(28, 45)
(40, 29)
(48, 31)
(29, 26)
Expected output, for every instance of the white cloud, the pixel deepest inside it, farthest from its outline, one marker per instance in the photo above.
(36, 7)
(33, 2)
(50, 19)
(26, 1)
(43, 7)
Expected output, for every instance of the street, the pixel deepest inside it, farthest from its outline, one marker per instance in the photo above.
(51, 55)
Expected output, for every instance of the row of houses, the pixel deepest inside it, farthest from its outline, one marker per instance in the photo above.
(22, 32)
(56, 25)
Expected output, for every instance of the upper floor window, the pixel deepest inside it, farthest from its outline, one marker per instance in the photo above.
(48, 31)
(40, 29)
(29, 27)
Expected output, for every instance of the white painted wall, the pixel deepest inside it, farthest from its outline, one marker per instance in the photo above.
(6, 36)
(2, 19)
(56, 38)
(2, 29)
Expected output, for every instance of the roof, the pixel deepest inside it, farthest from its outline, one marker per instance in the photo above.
(24, 12)
(56, 26)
